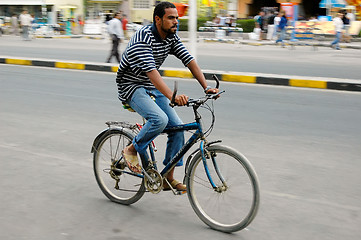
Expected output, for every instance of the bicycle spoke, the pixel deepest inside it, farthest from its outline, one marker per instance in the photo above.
(233, 203)
(119, 186)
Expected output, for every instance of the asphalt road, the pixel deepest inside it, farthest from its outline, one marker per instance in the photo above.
(303, 143)
(303, 61)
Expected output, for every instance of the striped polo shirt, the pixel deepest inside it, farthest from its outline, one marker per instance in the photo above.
(145, 52)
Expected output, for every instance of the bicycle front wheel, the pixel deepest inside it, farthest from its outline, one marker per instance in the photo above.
(111, 172)
(233, 203)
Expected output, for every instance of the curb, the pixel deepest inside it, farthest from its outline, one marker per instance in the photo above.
(230, 41)
(269, 43)
(267, 79)
(69, 36)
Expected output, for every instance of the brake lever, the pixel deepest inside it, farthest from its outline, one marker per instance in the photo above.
(190, 101)
(214, 95)
(219, 93)
(172, 102)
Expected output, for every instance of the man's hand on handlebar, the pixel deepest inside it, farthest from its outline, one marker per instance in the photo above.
(212, 91)
(181, 100)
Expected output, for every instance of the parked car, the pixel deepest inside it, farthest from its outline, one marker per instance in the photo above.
(2, 26)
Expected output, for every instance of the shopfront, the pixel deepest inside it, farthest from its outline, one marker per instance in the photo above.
(34, 7)
(64, 13)
(99, 8)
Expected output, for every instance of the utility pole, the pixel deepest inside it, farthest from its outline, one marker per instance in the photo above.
(192, 27)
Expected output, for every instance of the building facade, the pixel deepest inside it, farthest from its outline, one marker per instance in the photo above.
(97, 8)
(136, 10)
(142, 10)
(50, 11)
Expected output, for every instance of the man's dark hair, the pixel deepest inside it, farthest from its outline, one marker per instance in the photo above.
(117, 14)
(159, 10)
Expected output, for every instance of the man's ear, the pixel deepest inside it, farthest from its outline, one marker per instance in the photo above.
(157, 19)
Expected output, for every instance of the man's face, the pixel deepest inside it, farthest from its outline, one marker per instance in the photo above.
(169, 22)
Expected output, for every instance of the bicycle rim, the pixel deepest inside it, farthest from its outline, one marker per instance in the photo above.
(129, 188)
(234, 205)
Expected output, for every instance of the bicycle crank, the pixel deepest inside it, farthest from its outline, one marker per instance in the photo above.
(153, 181)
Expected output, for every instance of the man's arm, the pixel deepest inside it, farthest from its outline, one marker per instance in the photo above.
(159, 84)
(180, 100)
(198, 74)
(181, 53)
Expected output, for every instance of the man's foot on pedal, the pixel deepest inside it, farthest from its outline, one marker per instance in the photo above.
(132, 161)
(176, 185)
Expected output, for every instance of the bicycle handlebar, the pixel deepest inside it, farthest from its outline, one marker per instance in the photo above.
(216, 79)
(200, 101)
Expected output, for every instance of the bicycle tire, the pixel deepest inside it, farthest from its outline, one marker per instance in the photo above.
(108, 150)
(221, 210)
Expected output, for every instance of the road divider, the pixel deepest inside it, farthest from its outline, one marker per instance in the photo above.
(18, 61)
(255, 78)
(239, 78)
(70, 65)
(308, 84)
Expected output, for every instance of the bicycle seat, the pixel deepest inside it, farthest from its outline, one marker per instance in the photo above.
(128, 107)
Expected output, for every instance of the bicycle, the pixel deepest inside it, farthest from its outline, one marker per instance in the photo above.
(222, 185)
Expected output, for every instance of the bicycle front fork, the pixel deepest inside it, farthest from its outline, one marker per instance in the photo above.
(212, 155)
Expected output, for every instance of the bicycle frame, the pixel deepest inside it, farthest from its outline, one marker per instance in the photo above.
(190, 142)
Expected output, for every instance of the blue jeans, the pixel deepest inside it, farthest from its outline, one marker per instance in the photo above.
(337, 39)
(281, 35)
(26, 32)
(159, 115)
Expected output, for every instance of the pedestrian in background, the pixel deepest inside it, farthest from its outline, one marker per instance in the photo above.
(79, 25)
(282, 28)
(347, 19)
(1, 25)
(15, 25)
(124, 24)
(271, 26)
(258, 21)
(350, 15)
(115, 31)
(276, 20)
(107, 18)
(25, 22)
(228, 20)
(337, 21)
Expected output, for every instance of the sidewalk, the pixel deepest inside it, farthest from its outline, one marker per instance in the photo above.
(325, 42)
(320, 41)
(292, 44)
(241, 77)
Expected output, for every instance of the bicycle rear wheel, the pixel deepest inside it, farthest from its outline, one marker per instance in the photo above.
(115, 181)
(233, 204)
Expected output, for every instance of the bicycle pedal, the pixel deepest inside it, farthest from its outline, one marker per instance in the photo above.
(176, 192)
(181, 192)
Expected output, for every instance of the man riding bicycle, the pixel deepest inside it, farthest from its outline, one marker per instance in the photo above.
(139, 82)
